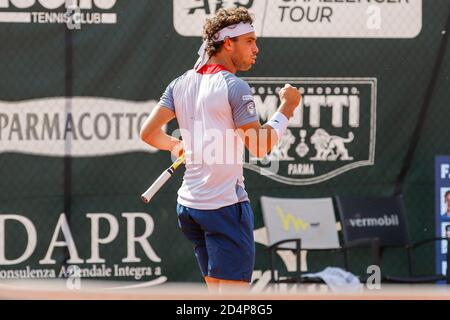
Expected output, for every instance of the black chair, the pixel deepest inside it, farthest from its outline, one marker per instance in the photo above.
(298, 225)
(298, 277)
(385, 218)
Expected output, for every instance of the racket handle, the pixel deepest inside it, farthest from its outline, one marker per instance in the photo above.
(162, 179)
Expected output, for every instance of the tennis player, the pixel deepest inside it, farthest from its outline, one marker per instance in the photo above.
(210, 101)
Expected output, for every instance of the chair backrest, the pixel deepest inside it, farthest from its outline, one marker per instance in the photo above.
(374, 217)
(311, 220)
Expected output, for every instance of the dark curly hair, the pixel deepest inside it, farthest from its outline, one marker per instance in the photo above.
(222, 19)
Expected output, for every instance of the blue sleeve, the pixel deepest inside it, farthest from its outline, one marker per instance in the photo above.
(241, 101)
(166, 99)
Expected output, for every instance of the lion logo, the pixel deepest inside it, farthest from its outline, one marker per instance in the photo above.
(330, 148)
(280, 151)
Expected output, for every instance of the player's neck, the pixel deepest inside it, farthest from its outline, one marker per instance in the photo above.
(223, 61)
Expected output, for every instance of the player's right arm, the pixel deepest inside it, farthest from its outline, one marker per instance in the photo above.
(259, 139)
(152, 131)
(153, 134)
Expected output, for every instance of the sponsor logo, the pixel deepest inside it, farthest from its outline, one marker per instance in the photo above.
(331, 132)
(138, 249)
(251, 108)
(288, 220)
(79, 126)
(445, 171)
(442, 210)
(74, 13)
(310, 19)
(385, 221)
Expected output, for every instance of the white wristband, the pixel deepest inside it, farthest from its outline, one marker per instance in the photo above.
(279, 123)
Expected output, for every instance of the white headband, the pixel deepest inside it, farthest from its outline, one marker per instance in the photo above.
(232, 31)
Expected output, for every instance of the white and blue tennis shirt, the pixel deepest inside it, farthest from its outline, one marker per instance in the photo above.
(209, 105)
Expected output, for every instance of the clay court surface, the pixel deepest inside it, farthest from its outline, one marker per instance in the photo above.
(58, 290)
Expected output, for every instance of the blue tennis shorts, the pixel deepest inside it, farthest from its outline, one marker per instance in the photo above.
(222, 238)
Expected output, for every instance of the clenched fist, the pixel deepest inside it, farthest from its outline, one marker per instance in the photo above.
(290, 99)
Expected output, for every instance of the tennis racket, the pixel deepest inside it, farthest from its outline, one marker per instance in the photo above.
(162, 179)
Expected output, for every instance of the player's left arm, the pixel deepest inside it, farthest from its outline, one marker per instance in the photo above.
(259, 139)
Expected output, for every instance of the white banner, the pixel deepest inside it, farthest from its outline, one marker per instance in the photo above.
(77, 12)
(80, 126)
(311, 18)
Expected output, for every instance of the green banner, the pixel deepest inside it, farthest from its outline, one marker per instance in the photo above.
(78, 81)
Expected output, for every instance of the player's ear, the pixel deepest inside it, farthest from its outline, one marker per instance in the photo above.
(227, 44)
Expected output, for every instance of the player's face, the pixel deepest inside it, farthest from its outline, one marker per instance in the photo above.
(245, 51)
(447, 201)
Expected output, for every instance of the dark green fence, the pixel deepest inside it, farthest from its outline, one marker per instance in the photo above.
(73, 97)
